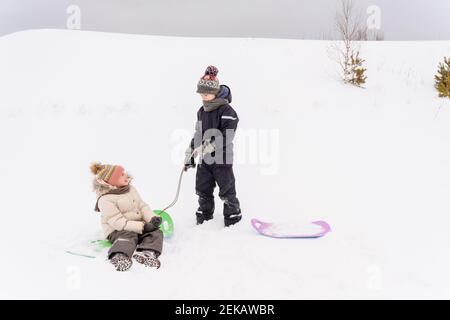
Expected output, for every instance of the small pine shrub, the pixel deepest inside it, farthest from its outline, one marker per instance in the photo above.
(442, 79)
(357, 74)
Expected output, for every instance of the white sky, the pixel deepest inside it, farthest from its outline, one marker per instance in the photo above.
(310, 19)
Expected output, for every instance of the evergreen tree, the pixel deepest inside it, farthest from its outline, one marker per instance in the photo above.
(357, 74)
(442, 79)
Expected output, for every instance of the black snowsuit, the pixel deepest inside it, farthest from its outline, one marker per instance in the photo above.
(224, 120)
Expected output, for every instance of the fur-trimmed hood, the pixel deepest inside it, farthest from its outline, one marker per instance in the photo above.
(100, 187)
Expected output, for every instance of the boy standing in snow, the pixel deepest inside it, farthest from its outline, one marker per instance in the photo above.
(127, 221)
(213, 142)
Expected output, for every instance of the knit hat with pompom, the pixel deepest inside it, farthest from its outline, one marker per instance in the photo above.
(209, 83)
(107, 172)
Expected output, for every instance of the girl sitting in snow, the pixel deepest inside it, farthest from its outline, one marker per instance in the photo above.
(127, 221)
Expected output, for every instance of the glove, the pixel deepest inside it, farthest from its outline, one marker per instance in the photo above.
(156, 221)
(153, 225)
(208, 147)
(189, 160)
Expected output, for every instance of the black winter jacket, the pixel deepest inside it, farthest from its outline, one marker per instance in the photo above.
(221, 122)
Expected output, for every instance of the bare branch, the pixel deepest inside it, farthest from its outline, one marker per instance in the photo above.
(351, 27)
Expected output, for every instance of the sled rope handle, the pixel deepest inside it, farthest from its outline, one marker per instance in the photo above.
(177, 193)
(178, 188)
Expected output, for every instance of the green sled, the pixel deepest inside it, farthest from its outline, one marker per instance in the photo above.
(167, 223)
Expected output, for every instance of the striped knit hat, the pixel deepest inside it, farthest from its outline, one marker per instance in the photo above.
(209, 83)
(107, 172)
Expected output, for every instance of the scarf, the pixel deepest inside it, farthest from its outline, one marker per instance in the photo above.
(220, 100)
(121, 190)
(212, 105)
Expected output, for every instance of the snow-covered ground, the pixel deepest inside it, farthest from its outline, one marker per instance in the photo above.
(374, 163)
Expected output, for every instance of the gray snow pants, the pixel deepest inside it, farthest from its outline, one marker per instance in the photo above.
(127, 242)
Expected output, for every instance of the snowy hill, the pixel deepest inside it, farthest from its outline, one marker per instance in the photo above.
(374, 163)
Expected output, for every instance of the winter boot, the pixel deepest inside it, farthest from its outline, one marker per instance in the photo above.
(147, 258)
(232, 219)
(202, 216)
(121, 262)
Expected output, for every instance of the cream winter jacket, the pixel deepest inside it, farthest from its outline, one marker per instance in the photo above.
(122, 211)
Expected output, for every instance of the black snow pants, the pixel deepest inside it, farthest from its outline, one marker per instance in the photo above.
(127, 242)
(206, 178)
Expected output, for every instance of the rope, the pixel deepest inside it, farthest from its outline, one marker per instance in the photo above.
(178, 187)
(178, 191)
